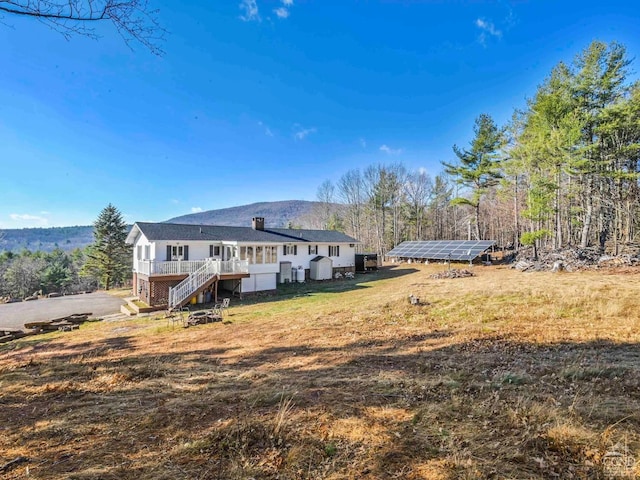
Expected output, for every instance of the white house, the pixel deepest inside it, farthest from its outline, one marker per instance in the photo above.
(174, 262)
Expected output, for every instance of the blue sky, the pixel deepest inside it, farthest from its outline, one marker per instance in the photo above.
(264, 100)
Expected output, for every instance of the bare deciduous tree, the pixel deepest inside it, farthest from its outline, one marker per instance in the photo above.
(418, 189)
(133, 19)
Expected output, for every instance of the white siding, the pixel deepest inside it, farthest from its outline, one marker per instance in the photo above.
(347, 256)
(142, 242)
(257, 268)
(346, 259)
(259, 282)
(198, 250)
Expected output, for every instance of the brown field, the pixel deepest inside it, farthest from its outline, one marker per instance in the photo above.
(504, 375)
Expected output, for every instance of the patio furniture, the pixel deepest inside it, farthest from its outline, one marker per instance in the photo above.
(178, 315)
(222, 306)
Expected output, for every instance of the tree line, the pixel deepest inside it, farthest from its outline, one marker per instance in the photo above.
(563, 172)
(103, 264)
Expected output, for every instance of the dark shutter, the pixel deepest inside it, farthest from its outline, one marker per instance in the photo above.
(186, 252)
(211, 250)
(168, 253)
(295, 249)
(337, 250)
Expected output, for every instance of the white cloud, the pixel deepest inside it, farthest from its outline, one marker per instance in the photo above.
(27, 219)
(422, 171)
(250, 8)
(390, 151)
(267, 130)
(363, 143)
(251, 11)
(302, 133)
(511, 20)
(196, 209)
(175, 201)
(281, 12)
(487, 28)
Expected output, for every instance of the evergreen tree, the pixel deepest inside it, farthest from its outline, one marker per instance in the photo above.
(57, 275)
(478, 167)
(545, 154)
(109, 257)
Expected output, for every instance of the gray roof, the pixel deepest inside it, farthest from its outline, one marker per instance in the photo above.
(183, 232)
(319, 258)
(327, 236)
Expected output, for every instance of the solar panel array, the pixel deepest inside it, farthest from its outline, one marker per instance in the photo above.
(441, 249)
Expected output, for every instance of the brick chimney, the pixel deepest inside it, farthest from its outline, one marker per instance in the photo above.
(257, 223)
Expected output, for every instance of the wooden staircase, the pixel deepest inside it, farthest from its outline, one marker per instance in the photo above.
(195, 283)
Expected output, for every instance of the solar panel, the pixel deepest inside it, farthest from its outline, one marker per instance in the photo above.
(441, 249)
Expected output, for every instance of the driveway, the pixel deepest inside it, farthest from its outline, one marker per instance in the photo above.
(15, 315)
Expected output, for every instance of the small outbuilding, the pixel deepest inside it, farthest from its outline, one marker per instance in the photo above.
(366, 262)
(321, 268)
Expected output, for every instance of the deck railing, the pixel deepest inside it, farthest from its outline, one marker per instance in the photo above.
(196, 279)
(182, 267)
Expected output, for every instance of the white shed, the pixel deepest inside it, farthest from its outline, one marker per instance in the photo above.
(321, 268)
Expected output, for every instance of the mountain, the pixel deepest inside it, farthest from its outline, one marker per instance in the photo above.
(45, 239)
(276, 214)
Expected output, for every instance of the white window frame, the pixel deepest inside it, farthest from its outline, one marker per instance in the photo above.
(177, 252)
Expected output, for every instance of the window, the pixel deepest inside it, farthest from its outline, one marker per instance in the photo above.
(289, 249)
(214, 250)
(147, 252)
(177, 252)
(270, 254)
(246, 253)
(334, 250)
(313, 249)
(263, 254)
(139, 252)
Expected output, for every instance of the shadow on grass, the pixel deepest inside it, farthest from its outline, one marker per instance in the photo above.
(286, 291)
(415, 406)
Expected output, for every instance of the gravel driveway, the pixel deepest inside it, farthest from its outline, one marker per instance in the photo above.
(15, 315)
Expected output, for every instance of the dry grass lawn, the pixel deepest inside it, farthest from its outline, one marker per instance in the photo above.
(504, 375)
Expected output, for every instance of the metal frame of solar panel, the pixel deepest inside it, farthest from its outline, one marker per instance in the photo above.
(441, 249)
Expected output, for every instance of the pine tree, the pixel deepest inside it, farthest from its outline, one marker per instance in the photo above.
(109, 257)
(479, 167)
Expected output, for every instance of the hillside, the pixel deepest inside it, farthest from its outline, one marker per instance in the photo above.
(500, 375)
(45, 239)
(276, 214)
